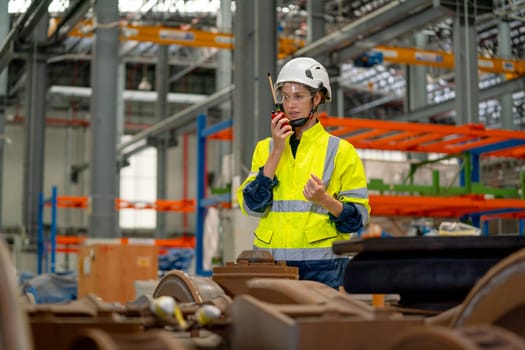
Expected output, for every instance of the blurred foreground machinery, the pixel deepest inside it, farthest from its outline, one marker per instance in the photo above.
(257, 303)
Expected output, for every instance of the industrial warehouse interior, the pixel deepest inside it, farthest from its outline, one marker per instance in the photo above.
(132, 132)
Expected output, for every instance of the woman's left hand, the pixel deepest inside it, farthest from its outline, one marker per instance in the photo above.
(314, 189)
(315, 192)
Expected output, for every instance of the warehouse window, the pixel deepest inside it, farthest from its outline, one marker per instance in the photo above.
(382, 155)
(138, 184)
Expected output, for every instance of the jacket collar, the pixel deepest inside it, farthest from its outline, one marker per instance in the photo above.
(314, 132)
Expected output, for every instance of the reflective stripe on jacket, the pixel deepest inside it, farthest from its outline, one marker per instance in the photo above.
(295, 228)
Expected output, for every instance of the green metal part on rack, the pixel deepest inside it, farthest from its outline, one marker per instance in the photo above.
(436, 190)
(414, 167)
(469, 187)
(522, 182)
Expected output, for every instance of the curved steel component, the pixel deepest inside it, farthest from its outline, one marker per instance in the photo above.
(498, 298)
(492, 337)
(232, 277)
(255, 256)
(93, 339)
(444, 318)
(431, 338)
(186, 289)
(301, 292)
(14, 325)
(482, 337)
(98, 339)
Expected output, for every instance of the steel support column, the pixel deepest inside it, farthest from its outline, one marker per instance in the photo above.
(416, 79)
(161, 108)
(505, 51)
(466, 69)
(265, 62)
(35, 128)
(316, 31)
(243, 95)
(416, 96)
(103, 219)
(255, 56)
(4, 30)
(223, 74)
(315, 20)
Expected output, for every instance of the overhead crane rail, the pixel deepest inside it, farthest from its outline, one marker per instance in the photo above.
(441, 59)
(183, 37)
(161, 35)
(288, 45)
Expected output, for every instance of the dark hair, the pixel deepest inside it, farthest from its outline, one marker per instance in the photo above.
(321, 89)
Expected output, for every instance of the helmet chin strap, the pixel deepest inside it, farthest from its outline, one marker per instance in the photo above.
(297, 123)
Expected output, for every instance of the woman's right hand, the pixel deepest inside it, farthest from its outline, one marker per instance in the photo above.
(281, 129)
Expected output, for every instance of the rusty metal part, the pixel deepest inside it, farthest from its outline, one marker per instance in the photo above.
(93, 338)
(97, 339)
(186, 289)
(431, 338)
(481, 337)
(14, 327)
(59, 324)
(492, 337)
(261, 325)
(444, 318)
(498, 298)
(91, 323)
(281, 291)
(232, 277)
(255, 256)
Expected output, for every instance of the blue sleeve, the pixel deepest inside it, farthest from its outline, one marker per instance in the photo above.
(350, 219)
(258, 194)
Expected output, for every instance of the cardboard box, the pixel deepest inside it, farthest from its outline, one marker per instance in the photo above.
(110, 270)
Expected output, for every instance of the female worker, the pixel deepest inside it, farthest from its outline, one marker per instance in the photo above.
(308, 187)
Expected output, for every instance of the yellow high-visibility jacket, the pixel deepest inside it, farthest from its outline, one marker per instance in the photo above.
(293, 223)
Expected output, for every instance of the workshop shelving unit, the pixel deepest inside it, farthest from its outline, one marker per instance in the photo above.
(219, 131)
(49, 245)
(469, 143)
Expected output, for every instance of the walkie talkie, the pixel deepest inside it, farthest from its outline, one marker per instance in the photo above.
(278, 106)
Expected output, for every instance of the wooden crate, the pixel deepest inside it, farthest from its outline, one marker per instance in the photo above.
(110, 270)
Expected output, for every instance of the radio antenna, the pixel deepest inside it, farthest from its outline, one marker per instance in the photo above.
(271, 88)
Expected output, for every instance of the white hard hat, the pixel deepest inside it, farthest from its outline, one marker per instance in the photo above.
(307, 71)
